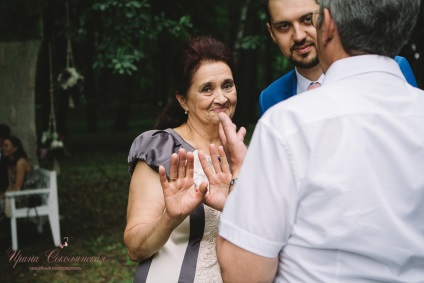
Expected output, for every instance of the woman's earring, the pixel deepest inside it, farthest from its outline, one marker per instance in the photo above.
(185, 112)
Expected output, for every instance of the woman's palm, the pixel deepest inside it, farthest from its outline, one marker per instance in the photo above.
(180, 193)
(181, 197)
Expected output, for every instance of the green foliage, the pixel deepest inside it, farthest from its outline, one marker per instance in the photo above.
(282, 64)
(253, 41)
(128, 33)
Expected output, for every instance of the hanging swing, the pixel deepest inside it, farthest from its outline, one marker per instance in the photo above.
(69, 76)
(50, 139)
(52, 143)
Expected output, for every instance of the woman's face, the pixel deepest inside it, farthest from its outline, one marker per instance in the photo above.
(212, 91)
(8, 148)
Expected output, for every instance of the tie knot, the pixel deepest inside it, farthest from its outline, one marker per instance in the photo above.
(313, 85)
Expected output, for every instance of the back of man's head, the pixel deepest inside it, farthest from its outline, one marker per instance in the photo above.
(373, 26)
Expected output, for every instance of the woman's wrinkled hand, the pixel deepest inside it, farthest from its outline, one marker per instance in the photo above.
(180, 193)
(219, 181)
(233, 142)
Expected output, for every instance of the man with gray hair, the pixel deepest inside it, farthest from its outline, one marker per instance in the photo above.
(332, 186)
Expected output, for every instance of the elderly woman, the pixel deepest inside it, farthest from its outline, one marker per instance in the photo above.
(172, 233)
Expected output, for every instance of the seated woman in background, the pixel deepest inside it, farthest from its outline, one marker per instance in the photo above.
(19, 168)
(171, 237)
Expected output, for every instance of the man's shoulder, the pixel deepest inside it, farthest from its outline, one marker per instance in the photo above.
(281, 83)
(279, 90)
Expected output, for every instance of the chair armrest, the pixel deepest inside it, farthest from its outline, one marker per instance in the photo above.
(27, 193)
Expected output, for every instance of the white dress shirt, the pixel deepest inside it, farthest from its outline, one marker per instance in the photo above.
(333, 181)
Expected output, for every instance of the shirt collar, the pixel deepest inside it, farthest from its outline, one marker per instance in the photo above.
(360, 64)
(303, 83)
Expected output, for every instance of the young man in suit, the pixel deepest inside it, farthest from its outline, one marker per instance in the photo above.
(289, 25)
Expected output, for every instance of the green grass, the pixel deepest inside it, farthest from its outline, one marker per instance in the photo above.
(93, 192)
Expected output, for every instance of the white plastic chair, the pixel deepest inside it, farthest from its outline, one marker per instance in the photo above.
(47, 188)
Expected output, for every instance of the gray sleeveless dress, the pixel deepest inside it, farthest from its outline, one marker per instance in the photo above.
(189, 254)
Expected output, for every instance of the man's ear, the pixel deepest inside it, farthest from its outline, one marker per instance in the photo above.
(328, 26)
(270, 32)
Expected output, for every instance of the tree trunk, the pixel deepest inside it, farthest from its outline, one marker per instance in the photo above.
(124, 101)
(241, 30)
(247, 91)
(89, 80)
(17, 84)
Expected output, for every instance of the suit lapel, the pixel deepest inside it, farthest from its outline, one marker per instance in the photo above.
(291, 88)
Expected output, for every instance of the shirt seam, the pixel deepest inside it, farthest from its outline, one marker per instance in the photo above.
(295, 171)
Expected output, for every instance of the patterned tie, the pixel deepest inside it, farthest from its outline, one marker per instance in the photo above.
(313, 85)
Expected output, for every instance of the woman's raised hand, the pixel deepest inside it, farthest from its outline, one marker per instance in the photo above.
(233, 142)
(180, 193)
(219, 181)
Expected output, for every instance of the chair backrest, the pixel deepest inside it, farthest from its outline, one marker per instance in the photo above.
(45, 184)
(47, 180)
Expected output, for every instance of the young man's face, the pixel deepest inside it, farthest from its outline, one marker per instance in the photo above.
(291, 28)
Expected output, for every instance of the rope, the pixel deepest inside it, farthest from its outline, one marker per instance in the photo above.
(52, 118)
(69, 56)
(69, 53)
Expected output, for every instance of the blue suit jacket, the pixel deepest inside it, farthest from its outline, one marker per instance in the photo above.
(286, 86)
